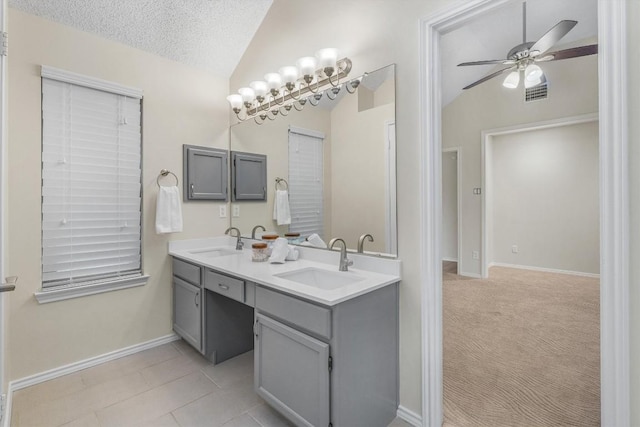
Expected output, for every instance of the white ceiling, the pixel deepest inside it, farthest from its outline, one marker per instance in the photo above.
(207, 34)
(492, 35)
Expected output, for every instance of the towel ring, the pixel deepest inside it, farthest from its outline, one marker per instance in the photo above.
(165, 172)
(282, 181)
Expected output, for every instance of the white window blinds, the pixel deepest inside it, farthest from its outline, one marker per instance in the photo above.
(306, 177)
(91, 184)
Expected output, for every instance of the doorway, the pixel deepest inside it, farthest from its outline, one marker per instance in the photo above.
(614, 222)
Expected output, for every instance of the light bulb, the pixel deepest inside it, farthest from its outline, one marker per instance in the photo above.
(235, 100)
(512, 80)
(532, 72)
(274, 81)
(307, 67)
(260, 88)
(247, 94)
(327, 59)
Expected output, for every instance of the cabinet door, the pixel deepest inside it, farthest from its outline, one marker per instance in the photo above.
(292, 372)
(187, 301)
(205, 173)
(248, 176)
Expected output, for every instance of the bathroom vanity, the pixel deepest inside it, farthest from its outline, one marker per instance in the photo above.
(325, 342)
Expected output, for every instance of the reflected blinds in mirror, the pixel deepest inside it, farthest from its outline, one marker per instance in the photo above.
(306, 181)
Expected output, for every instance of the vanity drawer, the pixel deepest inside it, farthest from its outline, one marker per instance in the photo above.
(224, 285)
(308, 316)
(186, 271)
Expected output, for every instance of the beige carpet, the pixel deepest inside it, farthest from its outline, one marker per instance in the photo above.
(521, 349)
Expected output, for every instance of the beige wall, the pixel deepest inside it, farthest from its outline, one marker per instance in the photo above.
(450, 206)
(633, 49)
(358, 165)
(545, 198)
(491, 106)
(180, 106)
(373, 34)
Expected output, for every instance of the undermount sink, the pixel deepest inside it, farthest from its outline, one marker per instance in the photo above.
(319, 278)
(214, 252)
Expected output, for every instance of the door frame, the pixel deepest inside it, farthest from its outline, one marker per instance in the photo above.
(614, 206)
(3, 194)
(486, 153)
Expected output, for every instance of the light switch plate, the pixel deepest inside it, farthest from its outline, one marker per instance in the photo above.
(236, 211)
(223, 211)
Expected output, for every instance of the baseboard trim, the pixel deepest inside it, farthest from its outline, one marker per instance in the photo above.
(77, 366)
(409, 416)
(543, 269)
(450, 259)
(473, 275)
(88, 363)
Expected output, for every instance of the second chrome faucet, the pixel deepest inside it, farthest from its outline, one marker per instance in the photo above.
(344, 261)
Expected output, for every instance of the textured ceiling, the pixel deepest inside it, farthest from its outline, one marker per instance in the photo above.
(207, 34)
(492, 35)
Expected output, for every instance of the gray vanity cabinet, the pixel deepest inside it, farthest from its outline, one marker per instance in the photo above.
(322, 366)
(205, 173)
(291, 372)
(187, 302)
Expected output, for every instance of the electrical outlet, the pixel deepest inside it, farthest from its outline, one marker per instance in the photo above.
(514, 249)
(236, 211)
(223, 211)
(475, 255)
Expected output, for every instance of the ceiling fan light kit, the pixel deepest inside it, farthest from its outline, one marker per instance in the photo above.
(522, 58)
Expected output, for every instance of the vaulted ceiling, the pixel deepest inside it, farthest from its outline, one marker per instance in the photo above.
(208, 34)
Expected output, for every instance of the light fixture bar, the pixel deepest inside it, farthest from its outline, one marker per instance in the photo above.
(344, 67)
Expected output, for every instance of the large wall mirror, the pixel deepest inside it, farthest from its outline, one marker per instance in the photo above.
(337, 160)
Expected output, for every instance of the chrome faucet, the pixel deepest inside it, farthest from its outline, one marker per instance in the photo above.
(253, 232)
(361, 242)
(239, 243)
(344, 261)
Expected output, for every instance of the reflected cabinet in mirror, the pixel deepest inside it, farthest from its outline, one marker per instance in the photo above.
(337, 163)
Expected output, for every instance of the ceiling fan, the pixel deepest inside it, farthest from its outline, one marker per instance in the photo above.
(522, 58)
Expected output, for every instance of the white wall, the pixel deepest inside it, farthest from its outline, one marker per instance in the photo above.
(450, 206)
(181, 105)
(491, 106)
(545, 198)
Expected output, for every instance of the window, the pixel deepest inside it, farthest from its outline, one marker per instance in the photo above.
(306, 177)
(91, 184)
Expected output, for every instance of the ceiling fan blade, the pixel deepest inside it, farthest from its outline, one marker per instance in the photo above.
(551, 37)
(488, 62)
(570, 53)
(489, 77)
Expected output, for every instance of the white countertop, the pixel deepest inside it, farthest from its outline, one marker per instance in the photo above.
(376, 272)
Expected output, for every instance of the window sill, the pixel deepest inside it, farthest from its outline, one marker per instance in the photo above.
(52, 295)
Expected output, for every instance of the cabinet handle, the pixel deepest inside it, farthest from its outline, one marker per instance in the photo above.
(197, 297)
(225, 287)
(191, 192)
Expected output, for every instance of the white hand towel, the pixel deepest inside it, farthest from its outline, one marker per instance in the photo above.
(280, 251)
(168, 211)
(281, 211)
(293, 254)
(316, 241)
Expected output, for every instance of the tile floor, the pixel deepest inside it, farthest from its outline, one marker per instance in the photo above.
(166, 386)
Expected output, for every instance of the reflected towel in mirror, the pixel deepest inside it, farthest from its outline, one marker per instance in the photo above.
(281, 211)
(168, 210)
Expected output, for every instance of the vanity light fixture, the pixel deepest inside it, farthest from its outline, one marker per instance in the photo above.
(294, 87)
